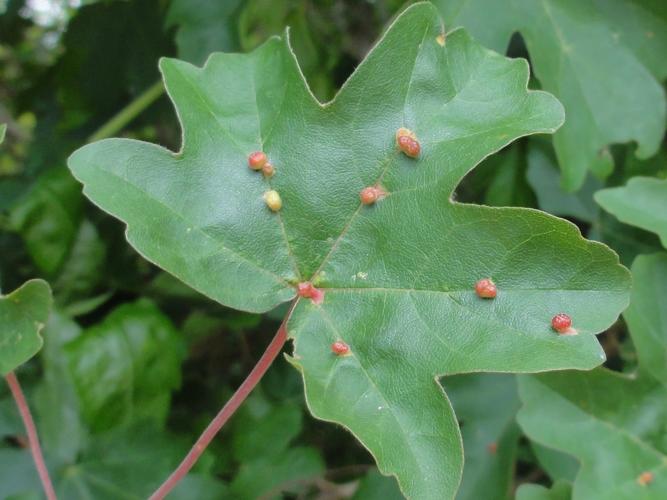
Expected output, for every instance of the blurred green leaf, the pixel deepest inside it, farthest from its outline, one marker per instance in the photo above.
(601, 59)
(375, 486)
(642, 203)
(262, 432)
(126, 464)
(82, 271)
(204, 27)
(561, 490)
(94, 79)
(268, 477)
(509, 187)
(627, 241)
(556, 464)
(125, 368)
(544, 178)
(486, 404)
(23, 314)
(18, 475)
(61, 429)
(48, 219)
(646, 316)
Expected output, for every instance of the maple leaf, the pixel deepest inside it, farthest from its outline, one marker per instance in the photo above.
(397, 275)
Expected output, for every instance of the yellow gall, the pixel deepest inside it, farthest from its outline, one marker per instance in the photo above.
(273, 201)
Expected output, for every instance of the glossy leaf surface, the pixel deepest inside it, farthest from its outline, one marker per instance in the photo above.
(398, 276)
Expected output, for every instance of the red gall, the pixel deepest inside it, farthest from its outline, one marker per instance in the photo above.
(407, 142)
(257, 160)
(486, 289)
(370, 195)
(562, 323)
(340, 348)
(306, 290)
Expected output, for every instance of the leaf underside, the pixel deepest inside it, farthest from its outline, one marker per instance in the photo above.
(398, 275)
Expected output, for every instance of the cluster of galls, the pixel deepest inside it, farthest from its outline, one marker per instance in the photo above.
(258, 161)
(406, 141)
(561, 323)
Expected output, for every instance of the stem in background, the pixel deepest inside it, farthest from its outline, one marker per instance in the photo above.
(33, 440)
(129, 112)
(271, 352)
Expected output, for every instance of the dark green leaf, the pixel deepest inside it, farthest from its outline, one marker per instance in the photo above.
(23, 314)
(561, 490)
(48, 219)
(204, 27)
(61, 429)
(375, 486)
(126, 367)
(486, 405)
(398, 276)
(267, 477)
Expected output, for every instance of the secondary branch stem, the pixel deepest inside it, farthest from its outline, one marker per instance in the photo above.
(33, 440)
(271, 352)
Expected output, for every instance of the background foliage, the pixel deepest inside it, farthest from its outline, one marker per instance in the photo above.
(135, 363)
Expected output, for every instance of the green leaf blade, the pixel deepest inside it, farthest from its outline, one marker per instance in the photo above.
(642, 203)
(114, 174)
(23, 314)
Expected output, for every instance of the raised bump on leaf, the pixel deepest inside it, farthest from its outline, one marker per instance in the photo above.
(407, 142)
(273, 200)
(562, 323)
(306, 290)
(257, 160)
(486, 289)
(370, 195)
(268, 170)
(340, 348)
